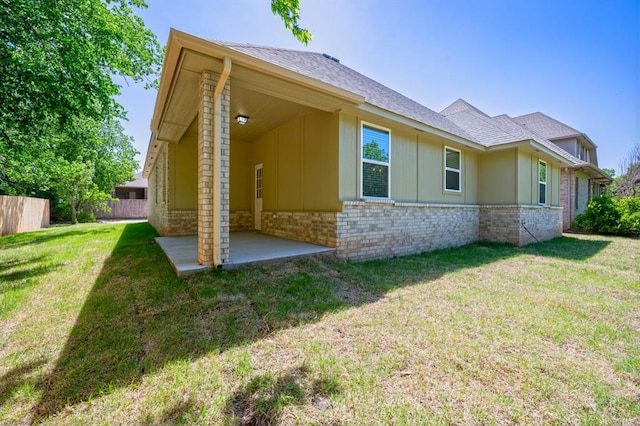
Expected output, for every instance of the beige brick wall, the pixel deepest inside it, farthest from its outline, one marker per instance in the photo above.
(373, 229)
(311, 227)
(509, 223)
(157, 193)
(240, 220)
(544, 223)
(213, 166)
(182, 222)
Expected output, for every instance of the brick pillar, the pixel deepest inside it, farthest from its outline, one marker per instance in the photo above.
(205, 168)
(213, 165)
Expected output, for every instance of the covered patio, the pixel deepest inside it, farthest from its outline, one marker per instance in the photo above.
(246, 248)
(212, 174)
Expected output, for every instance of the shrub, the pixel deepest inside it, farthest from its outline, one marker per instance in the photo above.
(606, 215)
(629, 208)
(602, 216)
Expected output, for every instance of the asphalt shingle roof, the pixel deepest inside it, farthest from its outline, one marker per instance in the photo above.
(460, 118)
(498, 130)
(319, 67)
(547, 127)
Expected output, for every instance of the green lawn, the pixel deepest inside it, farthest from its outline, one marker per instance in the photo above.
(95, 328)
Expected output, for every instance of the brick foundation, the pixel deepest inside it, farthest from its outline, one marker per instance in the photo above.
(506, 224)
(182, 222)
(380, 229)
(174, 223)
(240, 220)
(311, 227)
(158, 219)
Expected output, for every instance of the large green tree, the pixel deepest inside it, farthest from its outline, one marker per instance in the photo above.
(59, 59)
(61, 66)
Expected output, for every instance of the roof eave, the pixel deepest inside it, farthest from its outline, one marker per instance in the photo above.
(530, 143)
(594, 172)
(420, 126)
(178, 41)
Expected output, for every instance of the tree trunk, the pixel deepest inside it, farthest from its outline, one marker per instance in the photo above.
(74, 219)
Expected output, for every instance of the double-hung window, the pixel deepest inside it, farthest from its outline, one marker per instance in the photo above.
(452, 170)
(542, 182)
(375, 161)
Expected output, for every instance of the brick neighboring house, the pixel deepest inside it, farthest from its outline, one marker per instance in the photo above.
(132, 200)
(297, 145)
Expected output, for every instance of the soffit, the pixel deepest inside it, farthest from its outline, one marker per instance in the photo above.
(268, 100)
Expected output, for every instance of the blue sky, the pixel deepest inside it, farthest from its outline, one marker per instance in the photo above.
(577, 61)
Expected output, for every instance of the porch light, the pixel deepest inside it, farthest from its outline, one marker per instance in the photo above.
(242, 119)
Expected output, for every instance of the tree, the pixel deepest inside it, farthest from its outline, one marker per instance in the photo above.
(289, 12)
(103, 157)
(73, 181)
(59, 58)
(610, 172)
(372, 151)
(59, 61)
(628, 184)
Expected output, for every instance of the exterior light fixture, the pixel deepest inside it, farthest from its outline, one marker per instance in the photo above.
(242, 119)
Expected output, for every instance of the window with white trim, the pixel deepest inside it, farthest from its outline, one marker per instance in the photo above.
(375, 161)
(542, 182)
(452, 170)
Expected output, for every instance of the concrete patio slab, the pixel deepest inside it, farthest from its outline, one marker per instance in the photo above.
(245, 248)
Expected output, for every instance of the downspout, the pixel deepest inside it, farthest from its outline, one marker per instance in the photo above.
(217, 143)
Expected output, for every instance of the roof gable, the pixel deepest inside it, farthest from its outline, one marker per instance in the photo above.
(485, 129)
(498, 130)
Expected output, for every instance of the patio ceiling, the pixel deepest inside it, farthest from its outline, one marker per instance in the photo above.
(268, 100)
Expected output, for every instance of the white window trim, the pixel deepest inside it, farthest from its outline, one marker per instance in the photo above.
(382, 163)
(444, 174)
(546, 176)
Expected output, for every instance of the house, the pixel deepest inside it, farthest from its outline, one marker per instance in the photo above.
(580, 181)
(297, 145)
(583, 181)
(131, 200)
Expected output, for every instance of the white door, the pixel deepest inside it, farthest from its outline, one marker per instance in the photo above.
(257, 205)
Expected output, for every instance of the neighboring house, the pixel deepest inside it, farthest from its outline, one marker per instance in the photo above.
(297, 145)
(584, 180)
(131, 200)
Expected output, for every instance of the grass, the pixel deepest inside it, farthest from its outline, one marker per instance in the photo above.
(95, 328)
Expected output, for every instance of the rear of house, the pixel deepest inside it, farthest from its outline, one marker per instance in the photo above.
(294, 144)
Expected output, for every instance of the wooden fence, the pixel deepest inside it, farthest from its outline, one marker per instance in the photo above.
(125, 209)
(22, 214)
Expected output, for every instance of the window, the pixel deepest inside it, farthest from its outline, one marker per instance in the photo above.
(452, 170)
(375, 162)
(542, 182)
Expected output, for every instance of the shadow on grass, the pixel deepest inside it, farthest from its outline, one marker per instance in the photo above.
(16, 377)
(569, 248)
(139, 316)
(16, 274)
(261, 401)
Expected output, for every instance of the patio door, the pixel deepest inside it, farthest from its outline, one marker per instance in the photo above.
(257, 193)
